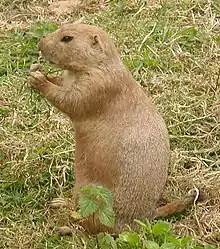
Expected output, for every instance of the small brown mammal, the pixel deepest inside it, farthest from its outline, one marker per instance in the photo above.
(121, 140)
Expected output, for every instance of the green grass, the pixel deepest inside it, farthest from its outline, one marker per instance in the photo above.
(173, 51)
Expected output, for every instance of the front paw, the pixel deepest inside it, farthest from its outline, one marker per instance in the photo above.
(38, 80)
(36, 67)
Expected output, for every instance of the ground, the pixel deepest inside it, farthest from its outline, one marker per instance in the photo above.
(173, 50)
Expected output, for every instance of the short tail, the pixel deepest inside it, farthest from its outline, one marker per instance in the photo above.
(178, 206)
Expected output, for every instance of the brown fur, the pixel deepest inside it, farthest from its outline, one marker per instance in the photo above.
(121, 139)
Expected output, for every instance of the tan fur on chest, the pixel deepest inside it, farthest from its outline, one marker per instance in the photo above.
(69, 79)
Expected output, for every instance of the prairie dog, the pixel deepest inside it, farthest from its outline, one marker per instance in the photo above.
(121, 139)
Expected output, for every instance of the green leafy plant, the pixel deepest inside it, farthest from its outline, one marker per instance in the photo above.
(152, 235)
(97, 200)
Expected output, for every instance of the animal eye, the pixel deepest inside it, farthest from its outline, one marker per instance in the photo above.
(66, 39)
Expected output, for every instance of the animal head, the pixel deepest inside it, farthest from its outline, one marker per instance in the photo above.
(79, 47)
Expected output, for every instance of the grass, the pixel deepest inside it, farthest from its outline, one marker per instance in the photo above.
(173, 50)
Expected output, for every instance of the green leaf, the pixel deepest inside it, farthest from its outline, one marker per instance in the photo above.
(92, 195)
(87, 206)
(100, 192)
(90, 189)
(129, 237)
(185, 240)
(161, 227)
(106, 195)
(142, 224)
(150, 245)
(174, 240)
(106, 216)
(107, 241)
(168, 246)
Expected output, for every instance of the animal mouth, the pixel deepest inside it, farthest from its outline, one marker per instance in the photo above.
(46, 58)
(49, 60)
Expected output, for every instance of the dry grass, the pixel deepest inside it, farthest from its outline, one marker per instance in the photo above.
(173, 50)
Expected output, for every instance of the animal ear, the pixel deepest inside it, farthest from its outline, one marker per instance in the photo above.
(96, 42)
